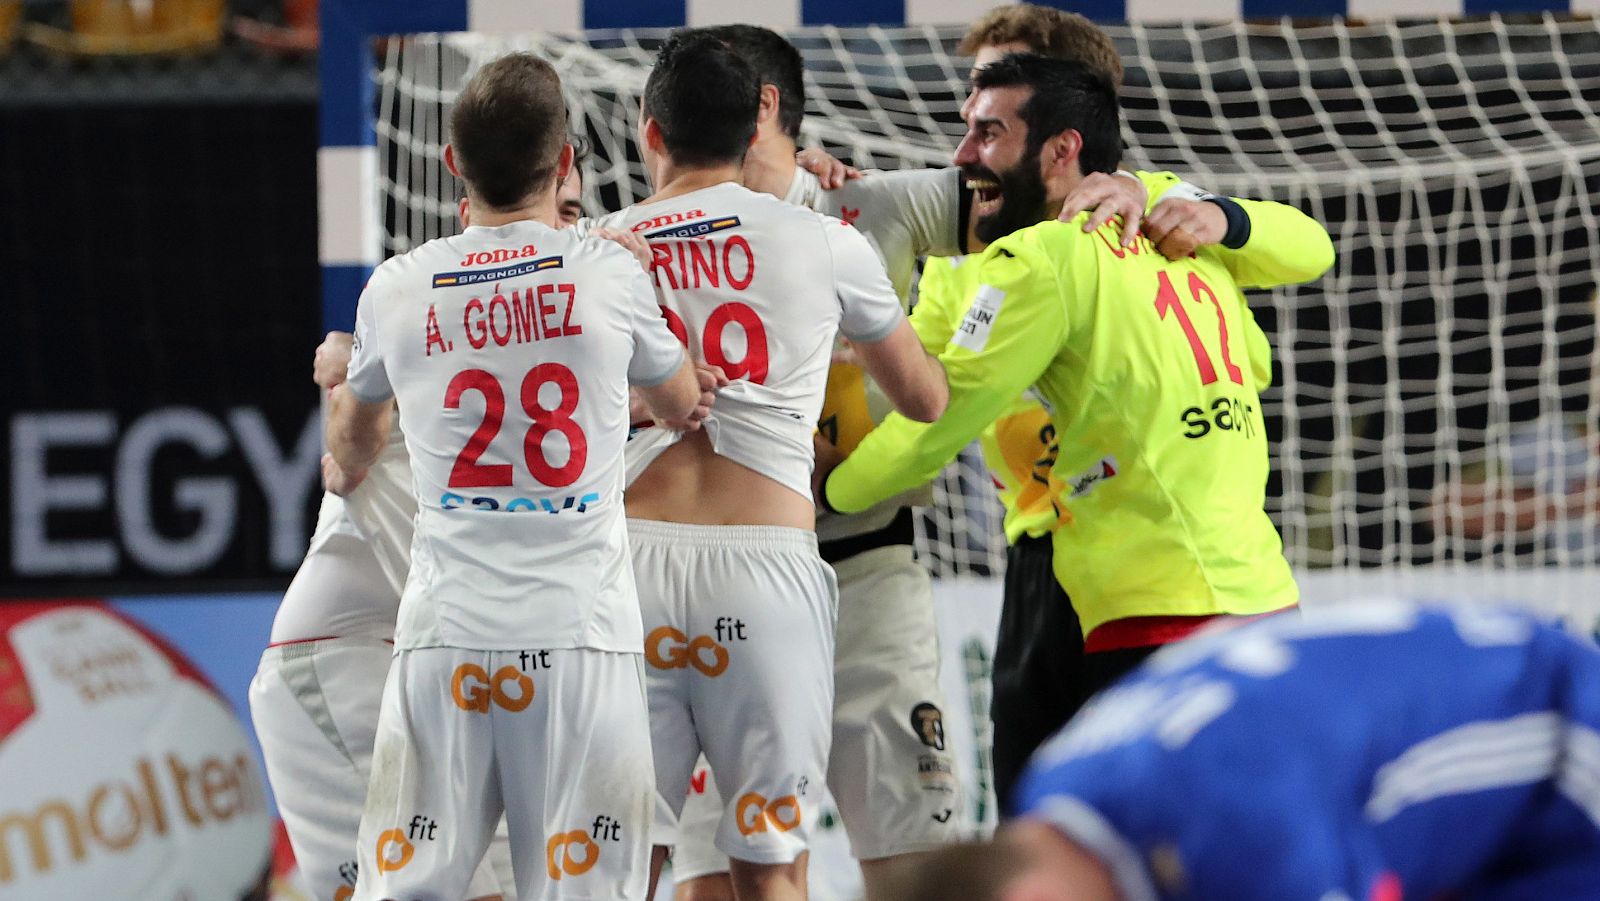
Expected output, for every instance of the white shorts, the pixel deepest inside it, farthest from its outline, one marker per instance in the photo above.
(695, 854)
(890, 772)
(556, 740)
(315, 709)
(739, 645)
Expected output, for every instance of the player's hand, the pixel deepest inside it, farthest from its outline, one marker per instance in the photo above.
(711, 378)
(1177, 227)
(331, 362)
(1108, 195)
(828, 458)
(829, 171)
(336, 480)
(633, 242)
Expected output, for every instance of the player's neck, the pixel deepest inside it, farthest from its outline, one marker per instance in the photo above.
(675, 181)
(538, 208)
(769, 166)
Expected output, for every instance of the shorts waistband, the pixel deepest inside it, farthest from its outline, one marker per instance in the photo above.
(305, 647)
(677, 534)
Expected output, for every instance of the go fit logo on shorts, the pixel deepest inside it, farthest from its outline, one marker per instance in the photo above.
(667, 648)
(394, 850)
(754, 813)
(559, 859)
(472, 688)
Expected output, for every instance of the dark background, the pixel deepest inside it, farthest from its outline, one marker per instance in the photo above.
(158, 250)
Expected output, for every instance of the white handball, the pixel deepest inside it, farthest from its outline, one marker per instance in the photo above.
(123, 775)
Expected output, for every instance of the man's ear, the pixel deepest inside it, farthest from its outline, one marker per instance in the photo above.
(1059, 155)
(652, 135)
(450, 161)
(564, 163)
(770, 101)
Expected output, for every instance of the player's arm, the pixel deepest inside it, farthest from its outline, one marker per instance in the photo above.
(1014, 328)
(911, 377)
(360, 407)
(331, 362)
(933, 318)
(1282, 245)
(676, 392)
(928, 204)
(882, 339)
(1263, 243)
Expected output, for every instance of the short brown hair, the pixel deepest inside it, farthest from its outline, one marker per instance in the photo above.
(507, 129)
(1048, 32)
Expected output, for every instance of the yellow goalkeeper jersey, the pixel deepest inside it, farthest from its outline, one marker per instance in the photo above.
(1019, 447)
(1146, 368)
(852, 406)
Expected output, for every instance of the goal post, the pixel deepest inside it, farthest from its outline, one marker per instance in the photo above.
(1434, 413)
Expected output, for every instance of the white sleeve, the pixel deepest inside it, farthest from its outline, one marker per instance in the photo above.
(870, 310)
(367, 378)
(908, 213)
(657, 354)
(927, 203)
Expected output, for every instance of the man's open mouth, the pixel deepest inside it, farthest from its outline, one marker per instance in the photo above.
(988, 193)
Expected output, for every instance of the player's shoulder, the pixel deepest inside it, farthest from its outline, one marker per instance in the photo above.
(1033, 250)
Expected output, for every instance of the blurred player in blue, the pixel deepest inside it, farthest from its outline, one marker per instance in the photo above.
(1376, 753)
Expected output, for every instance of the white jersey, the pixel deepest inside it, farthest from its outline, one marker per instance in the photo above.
(906, 214)
(510, 351)
(759, 287)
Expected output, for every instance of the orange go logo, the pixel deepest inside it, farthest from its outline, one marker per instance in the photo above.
(755, 813)
(394, 852)
(668, 648)
(472, 688)
(344, 893)
(558, 856)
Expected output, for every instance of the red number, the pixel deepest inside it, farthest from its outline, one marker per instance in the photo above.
(469, 473)
(1167, 299)
(753, 365)
(676, 326)
(557, 420)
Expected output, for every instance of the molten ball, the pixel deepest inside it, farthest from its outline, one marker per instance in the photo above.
(123, 775)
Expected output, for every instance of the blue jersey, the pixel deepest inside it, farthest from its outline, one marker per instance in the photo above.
(1377, 752)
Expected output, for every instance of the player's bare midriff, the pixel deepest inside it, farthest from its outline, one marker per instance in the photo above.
(691, 484)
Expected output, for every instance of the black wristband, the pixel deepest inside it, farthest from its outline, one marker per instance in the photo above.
(822, 495)
(1238, 222)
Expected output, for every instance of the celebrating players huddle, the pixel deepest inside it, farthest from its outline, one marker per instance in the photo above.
(572, 548)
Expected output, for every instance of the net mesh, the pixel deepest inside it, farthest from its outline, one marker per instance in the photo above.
(1434, 400)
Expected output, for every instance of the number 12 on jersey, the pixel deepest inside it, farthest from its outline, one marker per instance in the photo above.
(1167, 300)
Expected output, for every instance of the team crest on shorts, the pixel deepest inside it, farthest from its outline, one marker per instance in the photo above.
(928, 723)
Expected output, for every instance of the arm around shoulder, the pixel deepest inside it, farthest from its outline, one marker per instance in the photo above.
(1284, 247)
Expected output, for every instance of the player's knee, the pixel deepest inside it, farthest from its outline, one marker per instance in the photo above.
(711, 887)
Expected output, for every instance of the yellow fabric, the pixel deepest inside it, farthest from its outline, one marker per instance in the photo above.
(1151, 373)
(1019, 447)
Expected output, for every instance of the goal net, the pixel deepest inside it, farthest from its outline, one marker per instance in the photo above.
(1435, 404)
